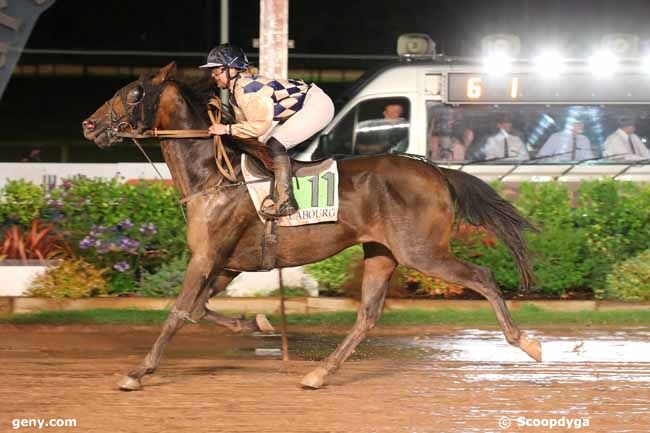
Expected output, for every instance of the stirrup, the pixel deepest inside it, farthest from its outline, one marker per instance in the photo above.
(271, 210)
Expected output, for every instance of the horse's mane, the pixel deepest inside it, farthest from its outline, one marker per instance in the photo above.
(197, 92)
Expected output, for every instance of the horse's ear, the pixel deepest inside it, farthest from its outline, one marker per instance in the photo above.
(165, 73)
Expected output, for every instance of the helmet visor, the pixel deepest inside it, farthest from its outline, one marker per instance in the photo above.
(211, 65)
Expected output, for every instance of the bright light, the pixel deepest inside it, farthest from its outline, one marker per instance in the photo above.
(603, 63)
(550, 64)
(645, 64)
(497, 63)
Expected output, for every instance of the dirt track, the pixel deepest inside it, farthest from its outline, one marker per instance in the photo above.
(211, 381)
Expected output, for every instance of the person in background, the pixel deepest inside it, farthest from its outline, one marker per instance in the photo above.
(623, 144)
(448, 147)
(393, 111)
(504, 145)
(467, 138)
(33, 156)
(568, 145)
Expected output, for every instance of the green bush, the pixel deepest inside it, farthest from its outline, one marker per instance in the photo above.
(545, 203)
(289, 292)
(332, 272)
(630, 280)
(21, 202)
(70, 279)
(615, 217)
(579, 243)
(562, 260)
(129, 229)
(565, 251)
(167, 281)
(132, 230)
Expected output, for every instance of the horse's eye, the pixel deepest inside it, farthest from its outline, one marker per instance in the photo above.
(135, 95)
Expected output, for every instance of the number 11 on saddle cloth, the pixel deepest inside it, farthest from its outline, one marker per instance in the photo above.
(316, 190)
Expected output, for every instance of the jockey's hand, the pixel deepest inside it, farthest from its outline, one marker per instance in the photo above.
(218, 129)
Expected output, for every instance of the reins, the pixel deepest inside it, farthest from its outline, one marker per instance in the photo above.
(220, 155)
(220, 152)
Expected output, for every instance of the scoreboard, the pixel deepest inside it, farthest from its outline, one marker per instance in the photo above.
(567, 88)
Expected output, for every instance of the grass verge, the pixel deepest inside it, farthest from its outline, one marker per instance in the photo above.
(528, 314)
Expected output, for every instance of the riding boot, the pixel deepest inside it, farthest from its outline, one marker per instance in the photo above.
(284, 203)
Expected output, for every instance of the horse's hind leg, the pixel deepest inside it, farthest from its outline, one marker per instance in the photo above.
(379, 265)
(259, 324)
(481, 281)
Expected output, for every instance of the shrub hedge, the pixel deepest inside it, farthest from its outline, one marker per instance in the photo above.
(70, 279)
(583, 235)
(128, 229)
(132, 230)
(630, 280)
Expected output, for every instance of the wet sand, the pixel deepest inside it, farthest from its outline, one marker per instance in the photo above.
(416, 379)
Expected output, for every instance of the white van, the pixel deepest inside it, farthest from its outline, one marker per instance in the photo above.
(462, 112)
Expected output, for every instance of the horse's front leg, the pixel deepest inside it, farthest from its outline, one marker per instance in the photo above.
(197, 281)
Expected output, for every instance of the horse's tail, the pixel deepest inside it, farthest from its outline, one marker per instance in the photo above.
(480, 205)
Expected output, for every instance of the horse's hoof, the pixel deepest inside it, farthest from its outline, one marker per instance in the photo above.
(531, 346)
(263, 323)
(314, 379)
(129, 384)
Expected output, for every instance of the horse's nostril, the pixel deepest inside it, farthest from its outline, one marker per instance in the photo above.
(88, 124)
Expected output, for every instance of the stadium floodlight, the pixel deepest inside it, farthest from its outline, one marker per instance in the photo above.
(603, 63)
(499, 51)
(550, 64)
(645, 64)
(497, 63)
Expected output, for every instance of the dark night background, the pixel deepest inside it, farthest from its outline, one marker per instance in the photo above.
(38, 112)
(334, 26)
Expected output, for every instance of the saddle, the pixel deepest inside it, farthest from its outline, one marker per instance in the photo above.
(298, 168)
(309, 213)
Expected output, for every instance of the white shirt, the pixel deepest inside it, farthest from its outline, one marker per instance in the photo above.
(495, 147)
(560, 144)
(621, 144)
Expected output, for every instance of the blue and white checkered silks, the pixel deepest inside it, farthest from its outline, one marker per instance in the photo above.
(288, 95)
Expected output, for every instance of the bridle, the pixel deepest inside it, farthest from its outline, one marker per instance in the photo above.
(136, 112)
(137, 122)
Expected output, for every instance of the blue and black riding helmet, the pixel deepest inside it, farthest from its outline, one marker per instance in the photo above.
(227, 55)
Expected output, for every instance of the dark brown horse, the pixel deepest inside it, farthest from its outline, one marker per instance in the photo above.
(399, 208)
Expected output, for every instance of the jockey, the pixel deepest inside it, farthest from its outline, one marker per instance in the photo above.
(281, 113)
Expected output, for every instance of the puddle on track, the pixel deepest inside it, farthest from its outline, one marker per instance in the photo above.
(588, 356)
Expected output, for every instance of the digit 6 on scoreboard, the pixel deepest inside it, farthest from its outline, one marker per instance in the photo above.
(474, 87)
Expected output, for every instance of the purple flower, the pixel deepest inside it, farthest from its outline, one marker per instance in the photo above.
(128, 244)
(66, 185)
(125, 225)
(103, 247)
(121, 266)
(96, 230)
(87, 242)
(148, 229)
